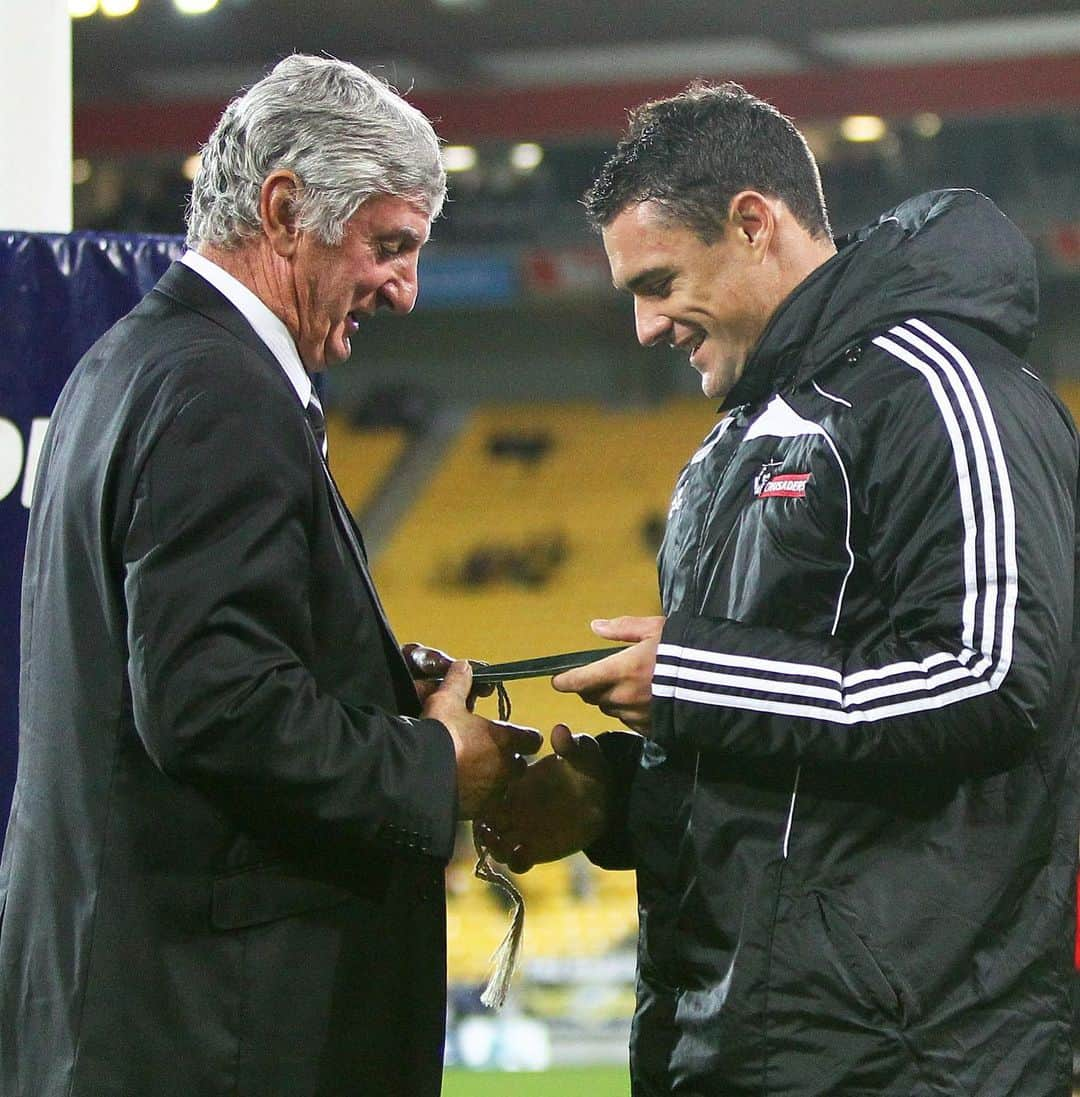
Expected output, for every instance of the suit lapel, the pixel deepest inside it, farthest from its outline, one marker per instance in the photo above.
(403, 682)
(191, 290)
(355, 541)
(182, 285)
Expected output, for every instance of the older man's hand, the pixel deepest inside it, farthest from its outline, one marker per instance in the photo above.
(489, 753)
(428, 667)
(620, 685)
(556, 807)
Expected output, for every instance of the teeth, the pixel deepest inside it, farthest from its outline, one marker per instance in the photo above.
(690, 346)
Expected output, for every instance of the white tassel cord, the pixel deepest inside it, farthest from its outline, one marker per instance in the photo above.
(504, 958)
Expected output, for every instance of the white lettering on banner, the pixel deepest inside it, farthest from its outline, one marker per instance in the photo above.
(33, 455)
(11, 456)
(12, 452)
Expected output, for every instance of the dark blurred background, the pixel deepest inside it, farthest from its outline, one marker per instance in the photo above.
(896, 97)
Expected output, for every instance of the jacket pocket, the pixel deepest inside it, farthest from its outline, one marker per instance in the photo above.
(265, 893)
(857, 965)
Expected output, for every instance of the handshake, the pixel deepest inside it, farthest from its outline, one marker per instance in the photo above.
(527, 814)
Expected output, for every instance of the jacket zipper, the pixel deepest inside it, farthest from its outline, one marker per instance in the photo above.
(791, 812)
(693, 794)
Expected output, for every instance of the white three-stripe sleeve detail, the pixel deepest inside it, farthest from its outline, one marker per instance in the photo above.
(765, 685)
(982, 469)
(1008, 507)
(749, 662)
(907, 666)
(679, 656)
(963, 477)
(834, 694)
(830, 715)
(991, 580)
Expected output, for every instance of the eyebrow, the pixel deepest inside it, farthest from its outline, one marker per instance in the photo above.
(404, 234)
(647, 277)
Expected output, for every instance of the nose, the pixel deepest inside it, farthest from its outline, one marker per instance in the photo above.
(650, 324)
(399, 292)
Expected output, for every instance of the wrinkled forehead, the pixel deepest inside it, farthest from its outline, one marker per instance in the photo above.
(387, 216)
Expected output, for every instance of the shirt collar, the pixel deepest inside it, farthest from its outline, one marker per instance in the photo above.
(266, 325)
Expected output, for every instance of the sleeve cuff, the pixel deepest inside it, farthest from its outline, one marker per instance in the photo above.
(622, 753)
(427, 822)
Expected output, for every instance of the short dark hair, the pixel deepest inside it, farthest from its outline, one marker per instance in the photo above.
(694, 152)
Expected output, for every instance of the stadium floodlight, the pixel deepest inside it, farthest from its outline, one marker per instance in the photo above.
(190, 167)
(80, 9)
(194, 7)
(459, 157)
(863, 127)
(526, 156)
(927, 124)
(117, 8)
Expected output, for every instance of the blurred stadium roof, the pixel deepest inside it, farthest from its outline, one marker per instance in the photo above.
(498, 68)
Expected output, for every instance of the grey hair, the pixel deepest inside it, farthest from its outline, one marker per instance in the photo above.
(346, 135)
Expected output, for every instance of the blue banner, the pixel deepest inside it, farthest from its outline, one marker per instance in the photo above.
(456, 280)
(58, 293)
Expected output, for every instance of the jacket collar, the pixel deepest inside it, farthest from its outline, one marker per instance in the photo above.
(777, 356)
(182, 285)
(948, 253)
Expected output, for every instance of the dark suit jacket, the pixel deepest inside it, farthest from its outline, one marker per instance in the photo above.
(223, 871)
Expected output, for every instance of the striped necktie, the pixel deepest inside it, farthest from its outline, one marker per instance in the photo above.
(318, 422)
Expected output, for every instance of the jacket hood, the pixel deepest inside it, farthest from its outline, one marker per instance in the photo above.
(946, 253)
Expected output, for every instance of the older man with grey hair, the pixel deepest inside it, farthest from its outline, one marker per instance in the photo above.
(223, 872)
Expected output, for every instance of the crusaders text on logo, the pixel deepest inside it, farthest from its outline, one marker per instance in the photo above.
(770, 484)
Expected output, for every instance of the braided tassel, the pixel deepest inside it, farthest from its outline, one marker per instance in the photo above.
(504, 958)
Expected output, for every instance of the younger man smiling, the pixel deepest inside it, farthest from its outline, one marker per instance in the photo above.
(852, 806)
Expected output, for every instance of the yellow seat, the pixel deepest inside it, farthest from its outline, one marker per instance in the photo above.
(605, 474)
(361, 460)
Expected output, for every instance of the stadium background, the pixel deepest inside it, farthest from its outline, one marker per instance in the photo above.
(509, 449)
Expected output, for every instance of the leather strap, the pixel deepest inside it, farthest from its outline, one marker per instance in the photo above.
(543, 667)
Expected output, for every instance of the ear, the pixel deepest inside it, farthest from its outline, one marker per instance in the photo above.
(277, 211)
(752, 216)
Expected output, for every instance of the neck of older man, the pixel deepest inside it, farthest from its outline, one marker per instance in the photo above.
(257, 266)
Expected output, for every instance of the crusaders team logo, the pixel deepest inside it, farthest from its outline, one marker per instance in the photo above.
(770, 483)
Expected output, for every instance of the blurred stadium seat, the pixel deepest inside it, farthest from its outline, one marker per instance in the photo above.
(595, 487)
(362, 458)
(597, 482)
(1069, 391)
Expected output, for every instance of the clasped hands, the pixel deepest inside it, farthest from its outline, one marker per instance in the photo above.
(530, 814)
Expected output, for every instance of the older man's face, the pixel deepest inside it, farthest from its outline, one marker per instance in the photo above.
(336, 287)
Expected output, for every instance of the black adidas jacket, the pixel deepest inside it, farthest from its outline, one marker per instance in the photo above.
(855, 822)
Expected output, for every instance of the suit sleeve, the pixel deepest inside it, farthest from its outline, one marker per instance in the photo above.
(218, 567)
(622, 753)
(964, 524)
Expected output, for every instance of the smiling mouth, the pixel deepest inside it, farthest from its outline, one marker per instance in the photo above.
(693, 338)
